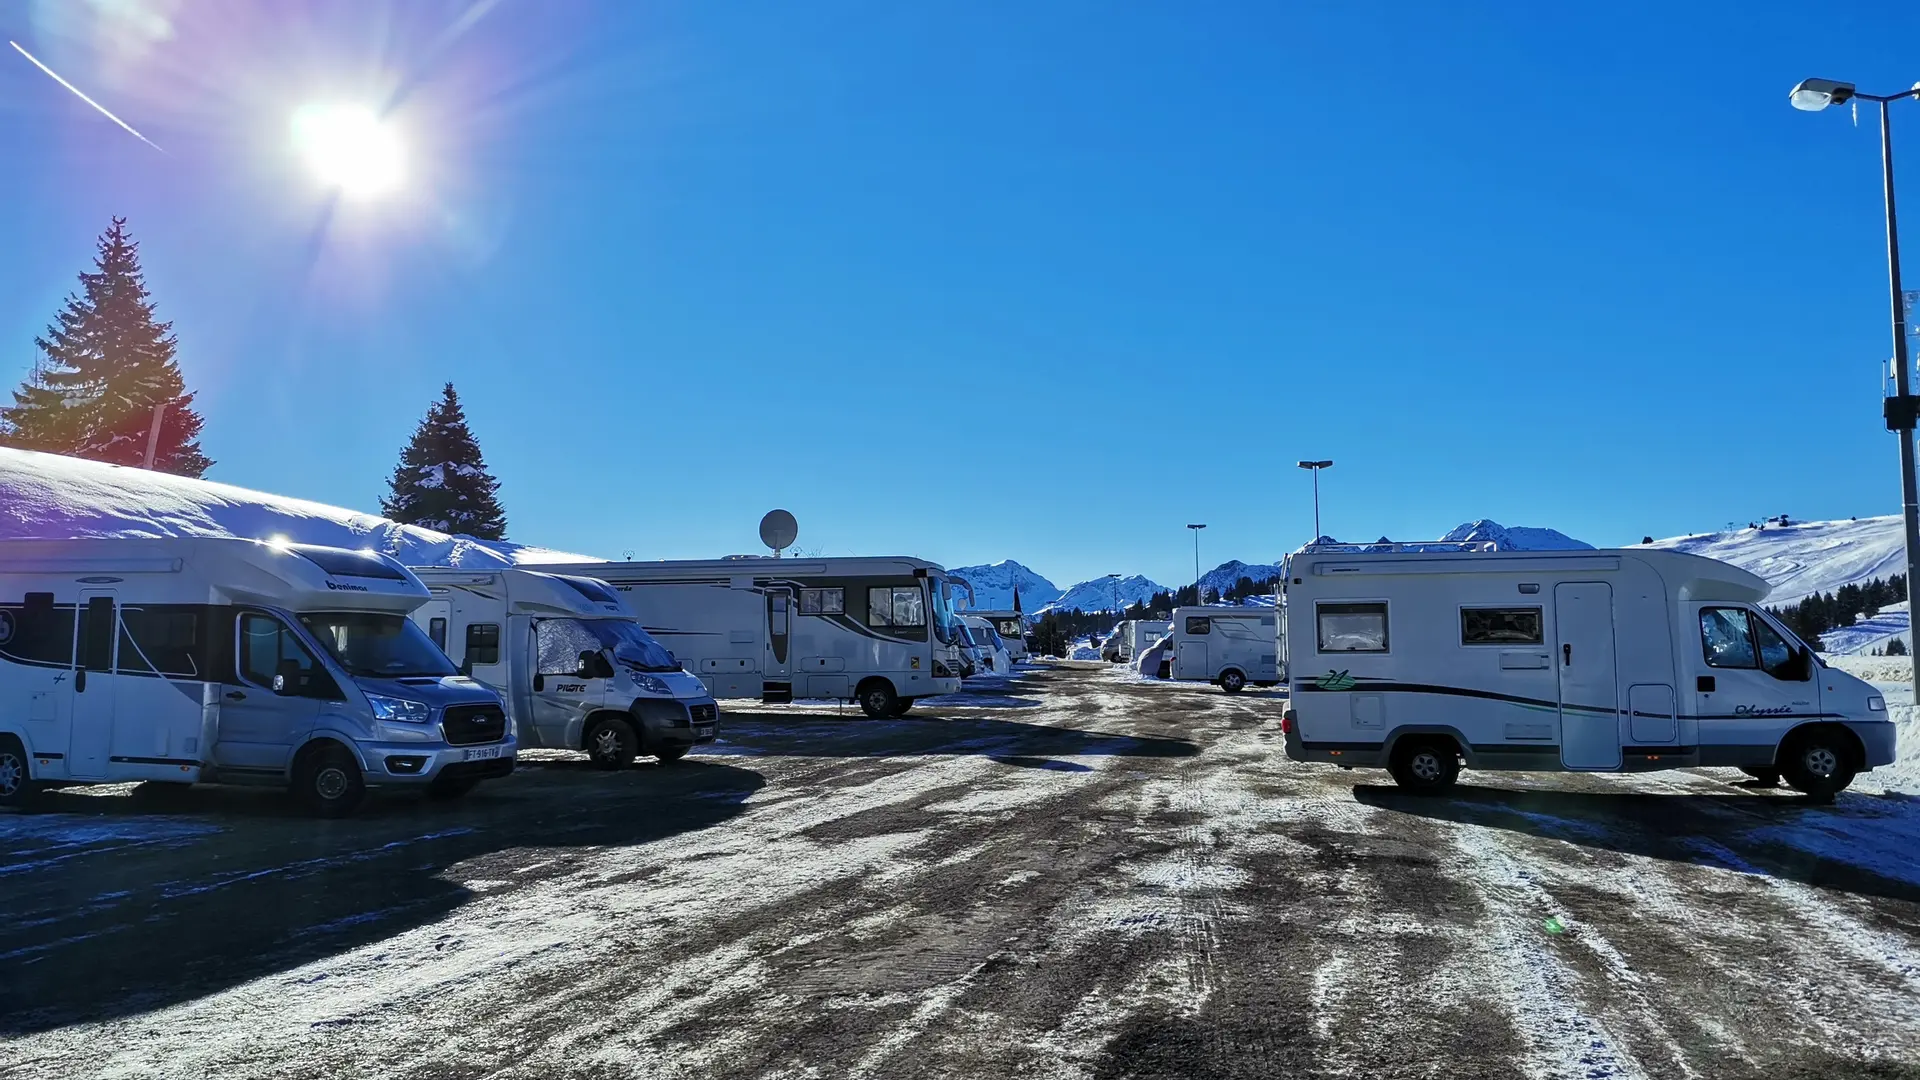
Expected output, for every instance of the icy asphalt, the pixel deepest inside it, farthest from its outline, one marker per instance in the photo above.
(1069, 874)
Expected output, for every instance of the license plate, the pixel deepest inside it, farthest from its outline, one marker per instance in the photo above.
(703, 731)
(482, 753)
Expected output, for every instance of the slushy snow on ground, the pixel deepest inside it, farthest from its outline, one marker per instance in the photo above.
(49, 496)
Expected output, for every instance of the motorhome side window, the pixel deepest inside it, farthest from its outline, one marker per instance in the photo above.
(896, 605)
(437, 630)
(268, 648)
(163, 640)
(483, 643)
(1350, 628)
(1199, 624)
(37, 633)
(1501, 626)
(1736, 638)
(823, 601)
(560, 643)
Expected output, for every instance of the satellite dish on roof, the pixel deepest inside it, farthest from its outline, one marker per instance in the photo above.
(778, 530)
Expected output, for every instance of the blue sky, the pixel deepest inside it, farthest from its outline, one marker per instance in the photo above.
(982, 280)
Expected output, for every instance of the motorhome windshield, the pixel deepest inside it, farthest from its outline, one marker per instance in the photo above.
(631, 645)
(377, 645)
(945, 623)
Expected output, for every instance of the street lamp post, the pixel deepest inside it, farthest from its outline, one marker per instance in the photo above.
(1197, 598)
(1813, 95)
(1314, 467)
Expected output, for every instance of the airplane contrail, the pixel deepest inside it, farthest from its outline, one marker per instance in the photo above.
(83, 97)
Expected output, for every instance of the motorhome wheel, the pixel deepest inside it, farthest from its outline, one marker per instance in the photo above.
(1232, 681)
(1424, 766)
(1768, 777)
(328, 782)
(1818, 762)
(612, 744)
(900, 708)
(16, 784)
(878, 700)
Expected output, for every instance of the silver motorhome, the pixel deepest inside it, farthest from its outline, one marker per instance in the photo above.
(572, 662)
(189, 659)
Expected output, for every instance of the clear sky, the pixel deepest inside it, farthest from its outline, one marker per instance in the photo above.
(978, 280)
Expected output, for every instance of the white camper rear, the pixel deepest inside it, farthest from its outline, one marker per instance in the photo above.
(1229, 646)
(879, 631)
(184, 659)
(1416, 657)
(1140, 636)
(572, 662)
(1012, 628)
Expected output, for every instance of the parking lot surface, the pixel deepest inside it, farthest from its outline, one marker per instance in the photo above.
(1069, 873)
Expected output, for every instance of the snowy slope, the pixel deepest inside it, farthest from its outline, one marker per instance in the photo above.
(1516, 537)
(49, 496)
(1809, 557)
(1228, 574)
(1098, 594)
(993, 586)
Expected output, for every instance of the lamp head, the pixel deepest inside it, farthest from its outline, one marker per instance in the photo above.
(1812, 95)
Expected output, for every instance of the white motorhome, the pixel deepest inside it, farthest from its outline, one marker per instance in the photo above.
(572, 662)
(1415, 657)
(187, 659)
(1140, 636)
(1012, 628)
(1228, 646)
(878, 631)
(998, 660)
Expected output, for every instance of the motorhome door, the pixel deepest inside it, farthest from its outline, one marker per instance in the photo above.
(778, 680)
(90, 739)
(1589, 676)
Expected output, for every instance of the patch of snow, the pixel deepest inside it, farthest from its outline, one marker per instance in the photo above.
(48, 496)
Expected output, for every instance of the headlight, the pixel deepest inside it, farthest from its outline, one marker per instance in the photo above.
(1876, 703)
(393, 708)
(648, 684)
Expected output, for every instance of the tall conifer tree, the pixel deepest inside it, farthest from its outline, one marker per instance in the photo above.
(442, 481)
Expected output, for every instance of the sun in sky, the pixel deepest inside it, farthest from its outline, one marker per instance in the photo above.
(350, 148)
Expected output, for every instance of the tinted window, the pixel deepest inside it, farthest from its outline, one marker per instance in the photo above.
(1726, 638)
(1199, 624)
(96, 634)
(823, 601)
(1352, 627)
(37, 634)
(896, 605)
(591, 589)
(377, 645)
(1776, 656)
(343, 563)
(1501, 626)
(437, 630)
(483, 643)
(269, 648)
(162, 639)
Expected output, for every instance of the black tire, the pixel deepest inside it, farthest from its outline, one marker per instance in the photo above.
(17, 787)
(328, 783)
(1425, 766)
(1818, 762)
(1232, 681)
(900, 708)
(878, 700)
(671, 754)
(612, 743)
(449, 788)
(1768, 776)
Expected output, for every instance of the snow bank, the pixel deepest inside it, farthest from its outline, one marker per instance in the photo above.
(1893, 677)
(48, 496)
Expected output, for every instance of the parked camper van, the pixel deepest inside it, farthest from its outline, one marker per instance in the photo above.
(574, 666)
(1140, 636)
(1415, 657)
(1229, 646)
(198, 659)
(998, 659)
(879, 631)
(1012, 628)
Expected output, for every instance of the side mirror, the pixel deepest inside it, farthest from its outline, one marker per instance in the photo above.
(466, 667)
(286, 681)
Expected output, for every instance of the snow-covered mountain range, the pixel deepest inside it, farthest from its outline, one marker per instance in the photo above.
(993, 586)
(1516, 537)
(47, 495)
(1101, 594)
(1228, 574)
(1802, 558)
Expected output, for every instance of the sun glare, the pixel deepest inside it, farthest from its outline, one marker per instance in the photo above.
(350, 148)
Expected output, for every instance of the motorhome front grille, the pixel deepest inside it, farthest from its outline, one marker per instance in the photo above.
(705, 714)
(468, 724)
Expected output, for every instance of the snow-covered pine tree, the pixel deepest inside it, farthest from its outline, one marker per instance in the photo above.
(105, 364)
(442, 481)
